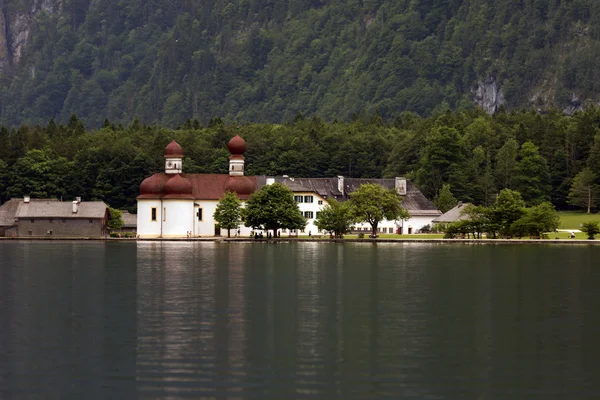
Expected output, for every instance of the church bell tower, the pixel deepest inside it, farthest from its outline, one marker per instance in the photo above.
(173, 158)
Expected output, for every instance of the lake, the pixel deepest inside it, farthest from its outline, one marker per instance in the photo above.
(126, 320)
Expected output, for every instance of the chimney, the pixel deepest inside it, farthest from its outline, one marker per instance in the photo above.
(26, 199)
(400, 185)
(75, 206)
(341, 184)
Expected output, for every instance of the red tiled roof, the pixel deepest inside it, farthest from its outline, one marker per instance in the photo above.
(204, 186)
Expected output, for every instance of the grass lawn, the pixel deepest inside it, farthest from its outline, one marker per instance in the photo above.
(572, 219)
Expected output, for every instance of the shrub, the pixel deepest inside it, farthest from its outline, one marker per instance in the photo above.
(361, 235)
(592, 228)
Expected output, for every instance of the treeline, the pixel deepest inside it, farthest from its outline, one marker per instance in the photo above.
(543, 156)
(264, 61)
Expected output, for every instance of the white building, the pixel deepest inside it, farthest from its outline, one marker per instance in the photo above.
(311, 194)
(174, 204)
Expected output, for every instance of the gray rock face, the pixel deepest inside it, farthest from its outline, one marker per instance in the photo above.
(15, 28)
(489, 95)
(574, 105)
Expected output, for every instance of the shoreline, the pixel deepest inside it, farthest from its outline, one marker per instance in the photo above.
(295, 240)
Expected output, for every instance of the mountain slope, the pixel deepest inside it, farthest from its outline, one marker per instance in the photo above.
(267, 60)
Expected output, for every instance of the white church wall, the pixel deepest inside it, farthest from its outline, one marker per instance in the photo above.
(178, 217)
(146, 226)
(205, 226)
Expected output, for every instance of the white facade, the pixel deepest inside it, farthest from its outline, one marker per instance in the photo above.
(149, 222)
(311, 203)
(177, 218)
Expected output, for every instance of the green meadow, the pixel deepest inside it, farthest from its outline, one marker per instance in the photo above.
(573, 219)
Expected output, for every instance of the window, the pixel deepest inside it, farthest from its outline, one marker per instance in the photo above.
(320, 202)
(298, 199)
(199, 214)
(308, 214)
(308, 199)
(391, 230)
(153, 214)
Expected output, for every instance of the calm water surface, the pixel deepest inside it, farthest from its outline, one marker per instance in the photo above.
(95, 320)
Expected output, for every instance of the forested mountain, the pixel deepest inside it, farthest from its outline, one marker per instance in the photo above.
(266, 60)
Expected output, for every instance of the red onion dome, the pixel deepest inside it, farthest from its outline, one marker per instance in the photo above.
(173, 149)
(153, 187)
(240, 185)
(237, 145)
(178, 187)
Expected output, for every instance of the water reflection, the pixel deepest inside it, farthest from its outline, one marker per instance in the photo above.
(287, 321)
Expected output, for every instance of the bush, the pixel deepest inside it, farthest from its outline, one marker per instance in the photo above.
(361, 235)
(592, 228)
(123, 235)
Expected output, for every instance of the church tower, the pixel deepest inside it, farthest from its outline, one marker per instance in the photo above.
(173, 158)
(237, 147)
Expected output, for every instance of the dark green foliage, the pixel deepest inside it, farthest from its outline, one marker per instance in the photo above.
(537, 220)
(373, 203)
(335, 217)
(116, 219)
(273, 208)
(507, 217)
(592, 228)
(476, 154)
(228, 212)
(168, 61)
(444, 200)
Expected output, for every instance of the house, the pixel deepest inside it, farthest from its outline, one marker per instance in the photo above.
(129, 222)
(50, 217)
(453, 215)
(312, 194)
(176, 204)
(8, 224)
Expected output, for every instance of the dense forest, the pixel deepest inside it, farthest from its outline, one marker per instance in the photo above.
(543, 156)
(164, 61)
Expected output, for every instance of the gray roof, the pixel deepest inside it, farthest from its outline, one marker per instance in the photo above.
(59, 209)
(453, 215)
(414, 201)
(8, 210)
(129, 220)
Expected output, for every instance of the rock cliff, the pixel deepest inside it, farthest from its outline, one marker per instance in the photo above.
(15, 25)
(489, 95)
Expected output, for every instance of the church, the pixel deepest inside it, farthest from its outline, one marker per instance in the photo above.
(173, 204)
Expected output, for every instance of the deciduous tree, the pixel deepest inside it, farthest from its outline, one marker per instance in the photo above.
(335, 217)
(373, 203)
(228, 212)
(273, 208)
(116, 219)
(592, 228)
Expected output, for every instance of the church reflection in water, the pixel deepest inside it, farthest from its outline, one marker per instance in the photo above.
(258, 320)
